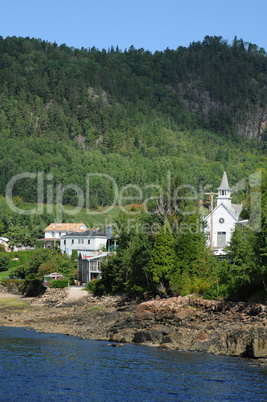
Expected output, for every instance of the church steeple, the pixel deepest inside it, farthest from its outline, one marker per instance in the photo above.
(224, 192)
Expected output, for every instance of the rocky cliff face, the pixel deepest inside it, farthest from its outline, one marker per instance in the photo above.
(254, 125)
(250, 123)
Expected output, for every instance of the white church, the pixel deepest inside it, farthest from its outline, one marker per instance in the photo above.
(224, 217)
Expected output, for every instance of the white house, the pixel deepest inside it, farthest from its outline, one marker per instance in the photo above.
(88, 240)
(225, 217)
(55, 231)
(90, 262)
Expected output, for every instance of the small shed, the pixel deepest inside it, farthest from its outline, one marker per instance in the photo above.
(50, 277)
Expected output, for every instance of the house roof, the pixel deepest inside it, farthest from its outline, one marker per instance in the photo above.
(54, 274)
(57, 239)
(65, 227)
(95, 257)
(224, 183)
(86, 233)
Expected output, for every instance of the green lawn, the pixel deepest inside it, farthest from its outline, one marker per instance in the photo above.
(5, 274)
(16, 259)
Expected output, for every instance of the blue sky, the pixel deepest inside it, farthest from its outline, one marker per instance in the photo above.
(152, 25)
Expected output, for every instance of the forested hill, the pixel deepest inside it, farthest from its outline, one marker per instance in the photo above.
(131, 114)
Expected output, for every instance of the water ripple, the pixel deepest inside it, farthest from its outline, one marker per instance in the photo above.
(53, 367)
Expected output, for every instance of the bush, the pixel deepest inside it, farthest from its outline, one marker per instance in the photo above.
(74, 276)
(13, 284)
(215, 293)
(96, 287)
(60, 283)
(22, 257)
(74, 255)
(91, 286)
(4, 262)
(32, 287)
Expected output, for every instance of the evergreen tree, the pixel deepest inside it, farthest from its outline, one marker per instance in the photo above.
(162, 261)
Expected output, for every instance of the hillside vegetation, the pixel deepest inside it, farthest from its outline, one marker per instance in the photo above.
(138, 123)
(132, 115)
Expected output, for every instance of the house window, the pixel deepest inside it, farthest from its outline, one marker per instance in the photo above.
(88, 241)
(80, 241)
(64, 241)
(72, 241)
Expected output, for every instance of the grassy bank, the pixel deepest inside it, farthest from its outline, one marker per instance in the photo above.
(94, 217)
(16, 259)
(13, 305)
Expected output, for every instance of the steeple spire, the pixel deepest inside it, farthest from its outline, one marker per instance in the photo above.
(224, 192)
(224, 183)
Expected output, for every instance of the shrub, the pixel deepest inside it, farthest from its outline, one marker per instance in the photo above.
(4, 262)
(32, 287)
(96, 287)
(91, 286)
(214, 293)
(74, 255)
(13, 284)
(74, 276)
(60, 283)
(21, 257)
(138, 291)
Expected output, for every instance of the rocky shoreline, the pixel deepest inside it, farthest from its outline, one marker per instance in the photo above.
(180, 323)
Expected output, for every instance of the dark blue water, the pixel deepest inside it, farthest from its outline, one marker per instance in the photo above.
(51, 367)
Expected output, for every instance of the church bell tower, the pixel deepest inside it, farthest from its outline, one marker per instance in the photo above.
(224, 192)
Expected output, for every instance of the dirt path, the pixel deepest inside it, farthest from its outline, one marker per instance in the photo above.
(9, 296)
(76, 293)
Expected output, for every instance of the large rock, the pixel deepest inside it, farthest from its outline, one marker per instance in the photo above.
(236, 329)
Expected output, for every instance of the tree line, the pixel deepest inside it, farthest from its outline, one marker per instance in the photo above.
(174, 259)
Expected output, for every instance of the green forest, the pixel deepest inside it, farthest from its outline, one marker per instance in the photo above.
(136, 119)
(130, 114)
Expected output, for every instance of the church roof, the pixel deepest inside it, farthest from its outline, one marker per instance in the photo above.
(230, 210)
(224, 183)
(237, 208)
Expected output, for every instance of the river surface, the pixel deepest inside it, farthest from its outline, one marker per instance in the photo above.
(52, 367)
